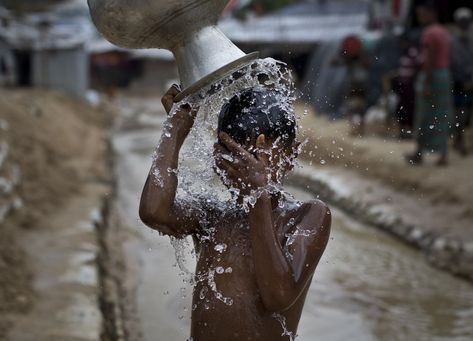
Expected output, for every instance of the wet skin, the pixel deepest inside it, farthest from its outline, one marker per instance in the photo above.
(270, 253)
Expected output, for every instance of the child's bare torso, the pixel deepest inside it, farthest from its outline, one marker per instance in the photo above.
(226, 302)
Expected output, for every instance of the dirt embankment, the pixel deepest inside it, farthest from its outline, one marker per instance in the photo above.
(427, 206)
(50, 145)
(382, 158)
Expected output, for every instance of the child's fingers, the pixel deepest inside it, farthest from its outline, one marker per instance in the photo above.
(229, 142)
(221, 153)
(171, 93)
(218, 148)
(224, 166)
(261, 152)
(227, 167)
(174, 90)
(233, 146)
(232, 173)
(168, 99)
(226, 160)
(224, 154)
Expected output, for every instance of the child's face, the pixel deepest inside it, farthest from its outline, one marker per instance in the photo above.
(276, 158)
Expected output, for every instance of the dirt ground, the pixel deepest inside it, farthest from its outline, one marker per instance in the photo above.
(58, 144)
(380, 157)
(55, 144)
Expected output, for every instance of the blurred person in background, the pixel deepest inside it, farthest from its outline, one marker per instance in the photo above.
(403, 85)
(7, 67)
(462, 72)
(433, 88)
(241, 9)
(355, 106)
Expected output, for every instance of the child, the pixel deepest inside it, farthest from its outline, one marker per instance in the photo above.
(253, 268)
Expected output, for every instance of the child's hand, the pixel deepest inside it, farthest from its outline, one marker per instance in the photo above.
(182, 117)
(168, 99)
(246, 171)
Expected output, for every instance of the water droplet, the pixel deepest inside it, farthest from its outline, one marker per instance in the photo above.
(203, 292)
(220, 247)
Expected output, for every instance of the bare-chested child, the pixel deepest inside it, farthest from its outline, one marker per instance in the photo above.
(271, 252)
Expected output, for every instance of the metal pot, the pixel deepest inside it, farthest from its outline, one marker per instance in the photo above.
(186, 27)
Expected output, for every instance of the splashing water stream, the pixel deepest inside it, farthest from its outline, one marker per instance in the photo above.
(198, 182)
(285, 332)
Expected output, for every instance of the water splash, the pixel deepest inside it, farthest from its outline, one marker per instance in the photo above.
(180, 246)
(199, 181)
(282, 320)
(196, 175)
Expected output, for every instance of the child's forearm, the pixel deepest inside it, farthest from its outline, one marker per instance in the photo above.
(273, 272)
(163, 172)
(157, 208)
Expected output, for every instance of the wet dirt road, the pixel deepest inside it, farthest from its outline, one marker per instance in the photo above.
(368, 285)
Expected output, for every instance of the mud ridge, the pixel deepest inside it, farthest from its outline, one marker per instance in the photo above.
(112, 329)
(451, 254)
(109, 293)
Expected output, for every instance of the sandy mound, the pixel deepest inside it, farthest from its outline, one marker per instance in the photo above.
(329, 143)
(49, 145)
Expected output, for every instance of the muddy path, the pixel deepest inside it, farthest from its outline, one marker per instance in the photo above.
(54, 177)
(369, 286)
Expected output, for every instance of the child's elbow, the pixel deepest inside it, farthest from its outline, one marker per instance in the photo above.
(146, 214)
(159, 222)
(152, 219)
(147, 217)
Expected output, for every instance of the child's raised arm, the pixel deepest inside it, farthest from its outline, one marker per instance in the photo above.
(159, 208)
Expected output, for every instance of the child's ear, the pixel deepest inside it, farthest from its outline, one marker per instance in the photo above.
(261, 141)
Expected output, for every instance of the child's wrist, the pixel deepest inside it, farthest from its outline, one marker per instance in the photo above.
(177, 127)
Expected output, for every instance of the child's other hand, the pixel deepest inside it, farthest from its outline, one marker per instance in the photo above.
(246, 171)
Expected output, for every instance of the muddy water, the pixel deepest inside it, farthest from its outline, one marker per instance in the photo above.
(368, 286)
(371, 287)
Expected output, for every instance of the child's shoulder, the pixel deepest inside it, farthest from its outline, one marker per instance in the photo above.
(316, 204)
(313, 207)
(314, 214)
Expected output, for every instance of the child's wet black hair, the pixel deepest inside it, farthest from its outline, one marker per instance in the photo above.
(254, 112)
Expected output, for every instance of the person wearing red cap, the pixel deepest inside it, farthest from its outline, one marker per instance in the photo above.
(355, 105)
